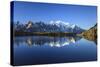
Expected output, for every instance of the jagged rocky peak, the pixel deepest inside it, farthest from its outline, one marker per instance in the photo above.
(52, 26)
(29, 24)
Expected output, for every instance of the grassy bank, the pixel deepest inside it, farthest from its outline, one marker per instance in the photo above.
(44, 34)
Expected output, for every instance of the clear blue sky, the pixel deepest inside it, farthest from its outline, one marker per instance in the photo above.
(83, 16)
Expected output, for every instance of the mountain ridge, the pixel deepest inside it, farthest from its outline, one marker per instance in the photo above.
(91, 34)
(53, 26)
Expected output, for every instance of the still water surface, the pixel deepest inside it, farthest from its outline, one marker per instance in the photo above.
(30, 50)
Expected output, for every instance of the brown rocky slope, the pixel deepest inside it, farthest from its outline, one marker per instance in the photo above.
(91, 34)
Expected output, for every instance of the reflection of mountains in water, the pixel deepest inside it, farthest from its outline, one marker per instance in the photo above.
(45, 40)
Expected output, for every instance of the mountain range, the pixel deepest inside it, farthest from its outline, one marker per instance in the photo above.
(52, 26)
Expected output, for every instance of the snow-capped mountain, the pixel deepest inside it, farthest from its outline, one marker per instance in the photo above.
(66, 27)
(52, 26)
(59, 23)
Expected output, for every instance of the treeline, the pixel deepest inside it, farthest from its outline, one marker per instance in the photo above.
(44, 34)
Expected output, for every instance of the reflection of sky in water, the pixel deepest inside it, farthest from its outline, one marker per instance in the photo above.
(43, 50)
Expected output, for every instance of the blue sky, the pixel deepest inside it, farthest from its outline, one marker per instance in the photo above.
(83, 16)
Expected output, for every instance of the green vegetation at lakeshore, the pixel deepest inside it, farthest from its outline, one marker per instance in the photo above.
(44, 34)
